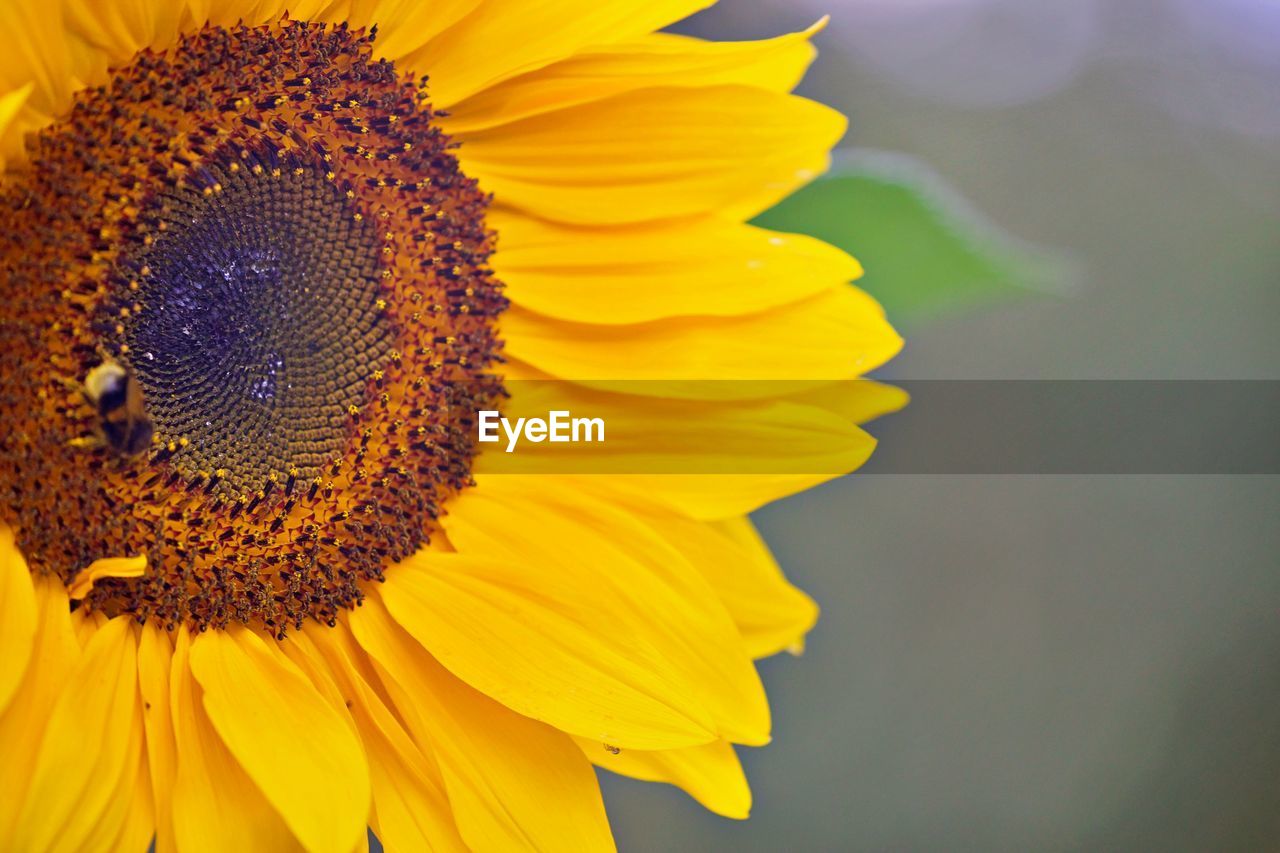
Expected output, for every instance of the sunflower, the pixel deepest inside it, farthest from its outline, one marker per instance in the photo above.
(262, 263)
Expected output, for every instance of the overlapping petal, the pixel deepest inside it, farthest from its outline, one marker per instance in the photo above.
(541, 645)
(39, 55)
(514, 783)
(494, 42)
(17, 616)
(771, 614)
(54, 656)
(655, 153)
(701, 267)
(411, 810)
(119, 30)
(11, 104)
(155, 662)
(627, 574)
(838, 334)
(296, 748)
(710, 773)
(232, 814)
(656, 59)
(70, 799)
(139, 825)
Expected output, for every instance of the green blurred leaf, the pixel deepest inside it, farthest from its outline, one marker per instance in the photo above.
(924, 249)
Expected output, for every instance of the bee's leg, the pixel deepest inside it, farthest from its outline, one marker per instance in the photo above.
(87, 442)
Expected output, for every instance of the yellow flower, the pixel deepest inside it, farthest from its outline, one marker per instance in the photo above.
(254, 593)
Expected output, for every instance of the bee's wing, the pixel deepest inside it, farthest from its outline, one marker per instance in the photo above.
(139, 438)
(133, 402)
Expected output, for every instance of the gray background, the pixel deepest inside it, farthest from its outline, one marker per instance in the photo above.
(1010, 663)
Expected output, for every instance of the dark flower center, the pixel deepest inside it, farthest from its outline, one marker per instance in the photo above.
(259, 299)
(266, 233)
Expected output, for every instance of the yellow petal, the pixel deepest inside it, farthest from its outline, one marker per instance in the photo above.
(411, 810)
(17, 616)
(710, 773)
(545, 648)
(86, 625)
(657, 59)
(615, 567)
(716, 496)
(128, 821)
(299, 649)
(838, 334)
(503, 38)
(216, 806)
(655, 154)
(771, 614)
(38, 52)
(11, 103)
(88, 755)
(54, 655)
(297, 749)
(405, 27)
(514, 783)
(701, 267)
(139, 826)
(108, 567)
(121, 29)
(155, 660)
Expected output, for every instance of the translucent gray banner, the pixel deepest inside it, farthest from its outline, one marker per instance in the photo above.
(1082, 427)
(999, 427)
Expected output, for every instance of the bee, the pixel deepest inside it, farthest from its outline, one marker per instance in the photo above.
(123, 425)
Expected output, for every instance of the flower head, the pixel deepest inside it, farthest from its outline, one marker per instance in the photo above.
(262, 269)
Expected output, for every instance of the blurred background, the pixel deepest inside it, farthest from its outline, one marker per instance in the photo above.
(1033, 662)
